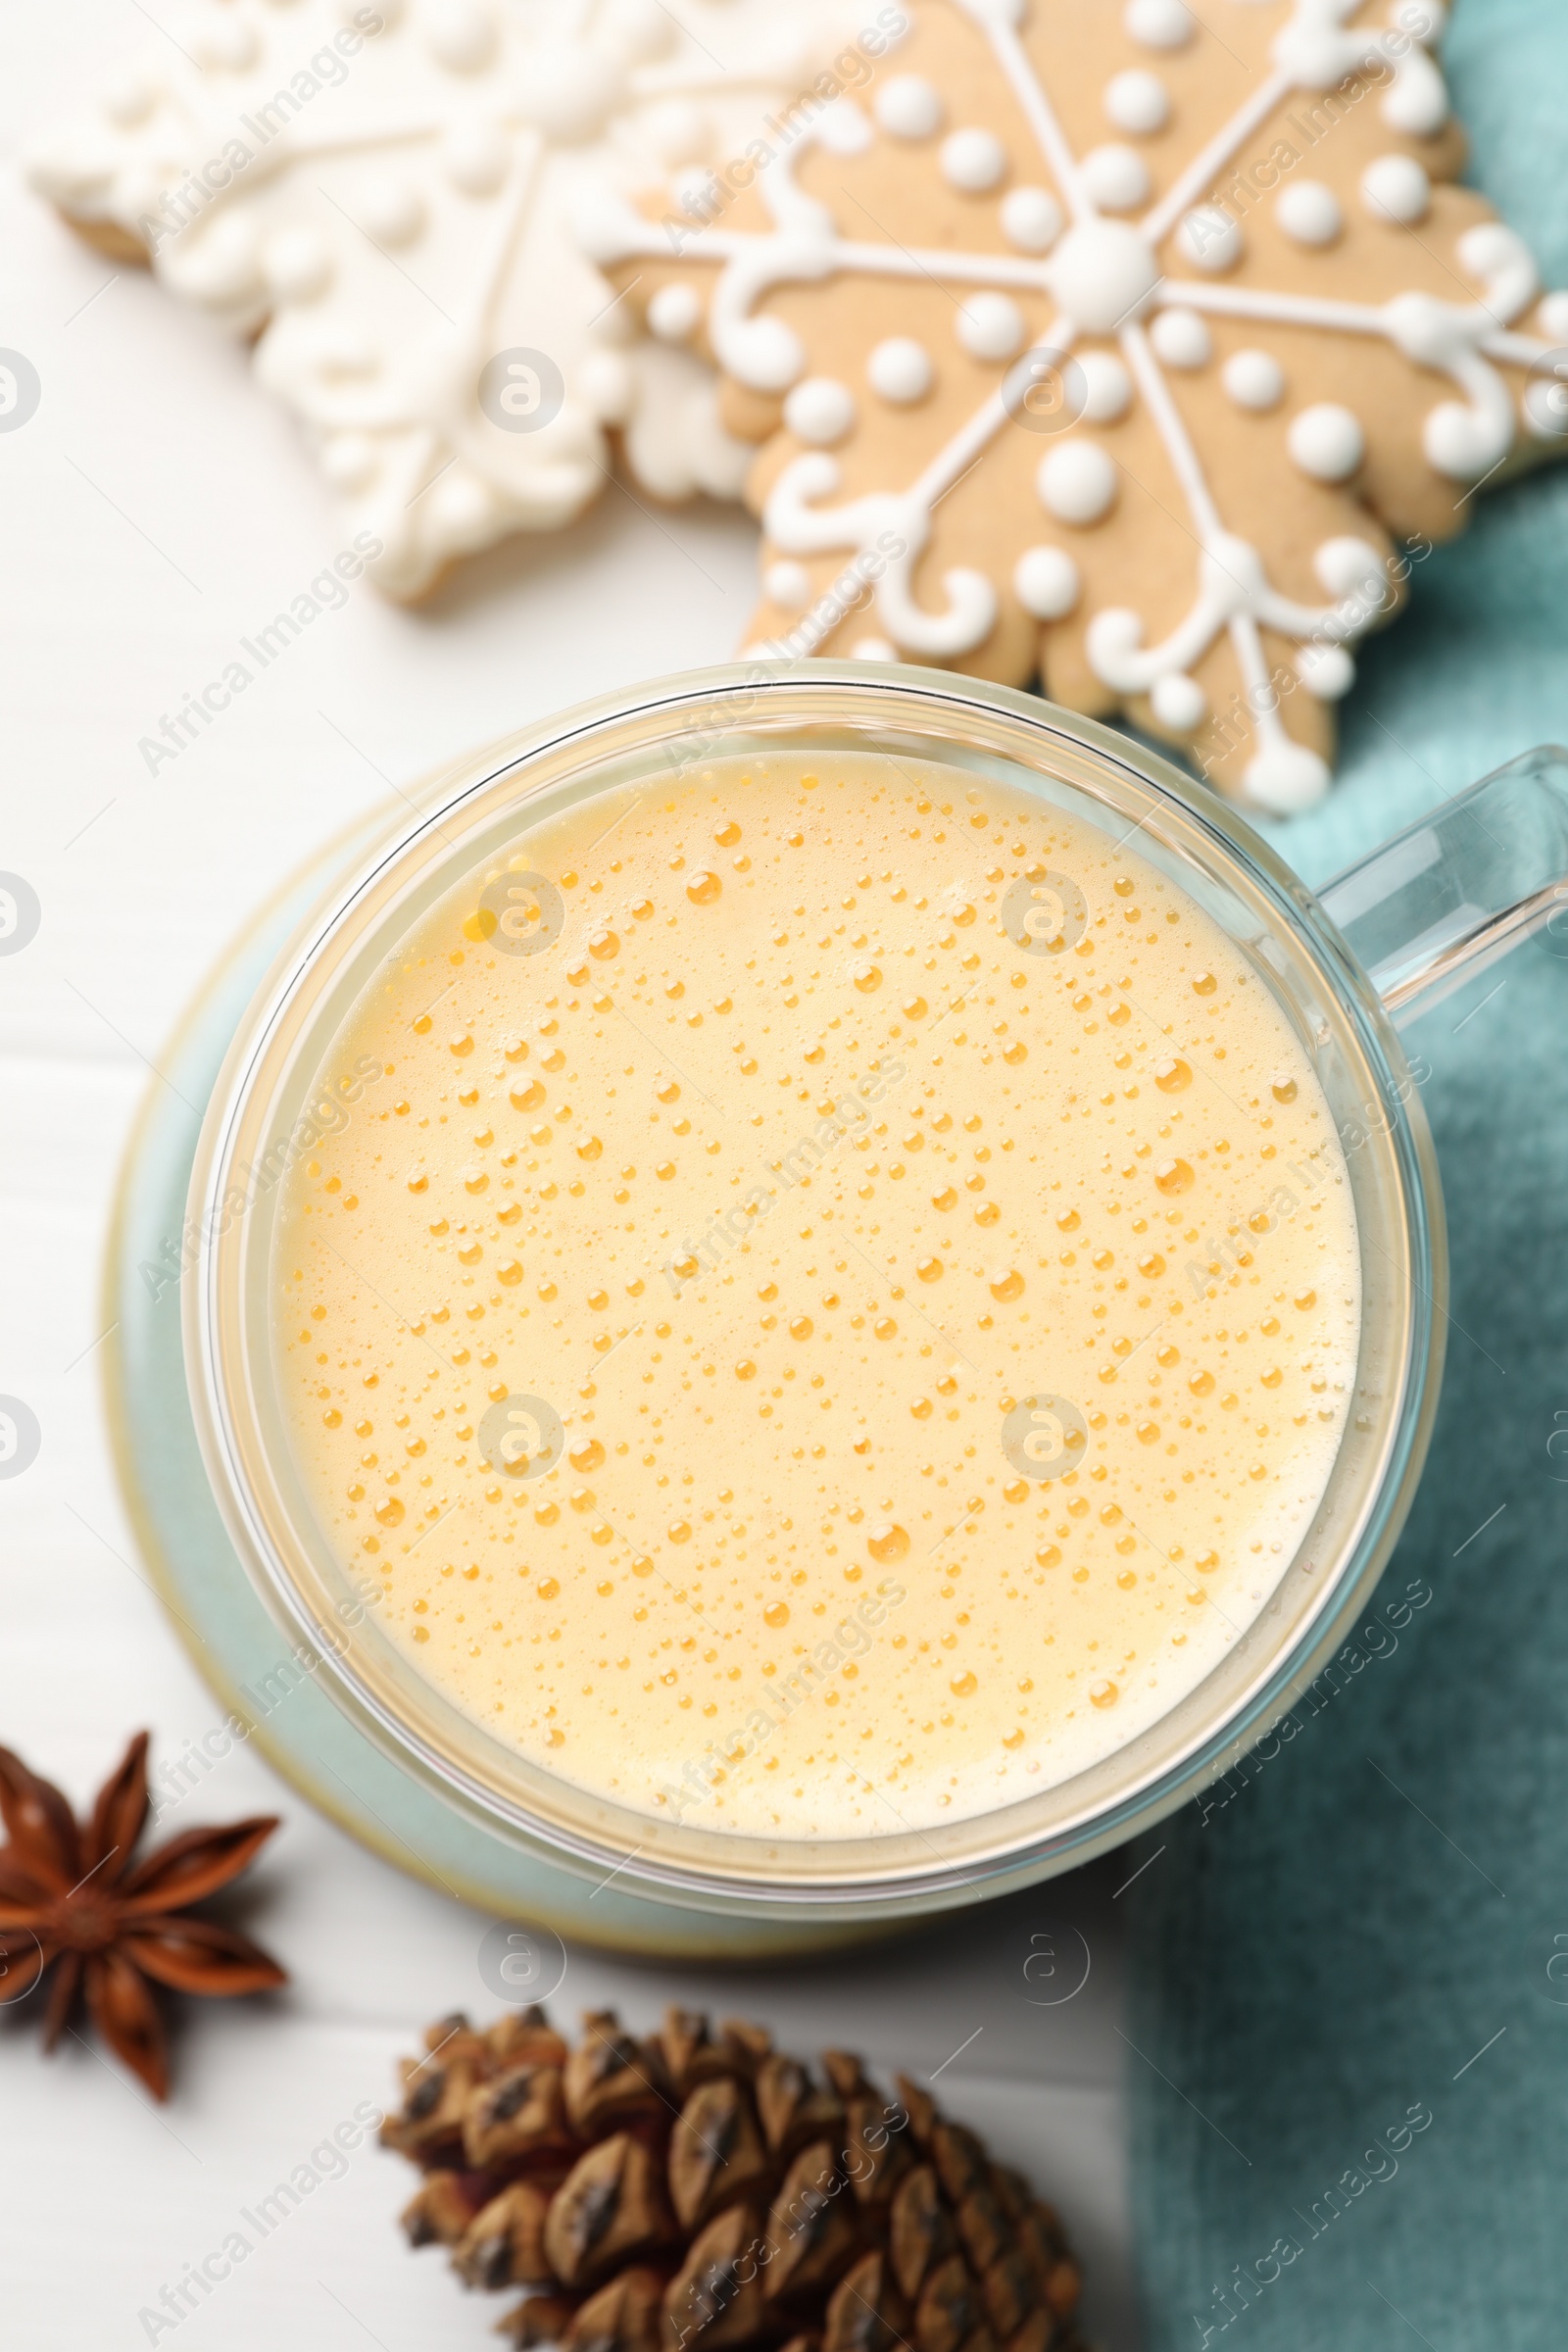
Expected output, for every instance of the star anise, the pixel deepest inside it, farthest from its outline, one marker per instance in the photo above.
(75, 1900)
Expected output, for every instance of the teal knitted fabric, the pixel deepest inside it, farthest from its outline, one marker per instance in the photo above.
(1321, 2158)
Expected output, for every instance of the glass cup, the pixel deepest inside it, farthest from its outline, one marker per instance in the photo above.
(1409, 923)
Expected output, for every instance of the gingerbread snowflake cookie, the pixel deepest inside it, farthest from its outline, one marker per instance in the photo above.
(382, 190)
(1118, 342)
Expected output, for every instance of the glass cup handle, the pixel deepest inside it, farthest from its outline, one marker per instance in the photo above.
(1436, 905)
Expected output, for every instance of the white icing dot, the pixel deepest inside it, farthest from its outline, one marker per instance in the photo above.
(462, 510)
(607, 386)
(1031, 218)
(788, 585)
(1116, 178)
(476, 156)
(773, 356)
(1181, 339)
(677, 131)
(1285, 777)
(1492, 249)
(350, 462)
(1308, 210)
(1253, 379)
(973, 161)
(1046, 584)
(296, 264)
(569, 91)
(1158, 23)
(820, 411)
(1103, 274)
(128, 101)
(1178, 703)
(1396, 188)
(461, 35)
(910, 108)
(673, 313)
(1210, 237)
(224, 267)
(1327, 671)
(899, 371)
(1327, 442)
(1077, 482)
(1418, 101)
(990, 326)
(1463, 443)
(1352, 568)
(392, 209)
(843, 130)
(1552, 318)
(874, 649)
(1108, 386)
(1137, 102)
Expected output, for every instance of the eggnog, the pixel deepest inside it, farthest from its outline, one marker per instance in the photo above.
(839, 1310)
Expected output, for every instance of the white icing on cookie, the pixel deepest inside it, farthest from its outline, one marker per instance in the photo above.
(409, 218)
(1178, 703)
(1137, 102)
(1031, 218)
(795, 519)
(675, 312)
(1102, 272)
(1327, 441)
(1317, 50)
(678, 131)
(1105, 277)
(973, 159)
(874, 649)
(297, 265)
(1210, 237)
(1077, 482)
(1309, 212)
(1108, 388)
(1394, 188)
(820, 411)
(990, 326)
(478, 156)
(389, 209)
(908, 108)
(1285, 777)
(461, 35)
(1327, 671)
(1353, 568)
(788, 585)
(899, 371)
(1046, 582)
(1115, 177)
(1253, 379)
(1160, 23)
(1181, 339)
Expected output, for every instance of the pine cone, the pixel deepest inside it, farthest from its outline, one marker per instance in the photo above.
(693, 2193)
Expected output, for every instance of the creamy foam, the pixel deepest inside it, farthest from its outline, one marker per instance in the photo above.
(816, 1333)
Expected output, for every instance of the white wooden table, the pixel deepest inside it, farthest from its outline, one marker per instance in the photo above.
(155, 509)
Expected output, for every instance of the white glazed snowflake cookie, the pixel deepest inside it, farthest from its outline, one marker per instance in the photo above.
(1120, 342)
(382, 190)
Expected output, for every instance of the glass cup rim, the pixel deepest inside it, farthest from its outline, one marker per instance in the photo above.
(1074, 759)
